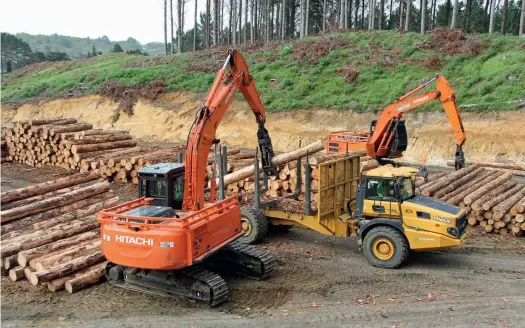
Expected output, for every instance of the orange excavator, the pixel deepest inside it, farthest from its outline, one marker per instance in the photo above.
(388, 139)
(166, 241)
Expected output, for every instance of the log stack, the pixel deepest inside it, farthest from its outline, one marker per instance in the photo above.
(66, 143)
(491, 197)
(50, 234)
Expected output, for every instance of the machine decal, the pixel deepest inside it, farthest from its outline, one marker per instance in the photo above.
(437, 218)
(134, 240)
(424, 239)
(166, 244)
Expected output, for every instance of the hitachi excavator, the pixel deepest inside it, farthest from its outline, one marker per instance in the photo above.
(388, 139)
(165, 242)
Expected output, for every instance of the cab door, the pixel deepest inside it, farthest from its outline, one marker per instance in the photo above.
(380, 198)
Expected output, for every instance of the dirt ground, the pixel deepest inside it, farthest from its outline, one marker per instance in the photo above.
(480, 284)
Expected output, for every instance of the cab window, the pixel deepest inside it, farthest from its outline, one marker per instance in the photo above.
(380, 189)
(156, 188)
(407, 188)
(178, 188)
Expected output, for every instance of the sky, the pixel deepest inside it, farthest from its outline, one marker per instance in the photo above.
(117, 19)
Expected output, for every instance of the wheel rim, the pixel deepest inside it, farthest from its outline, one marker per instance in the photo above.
(246, 226)
(383, 249)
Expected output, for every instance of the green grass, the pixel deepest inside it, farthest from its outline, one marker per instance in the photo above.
(389, 64)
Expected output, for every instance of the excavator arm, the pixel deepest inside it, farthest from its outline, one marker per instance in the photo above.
(209, 116)
(385, 128)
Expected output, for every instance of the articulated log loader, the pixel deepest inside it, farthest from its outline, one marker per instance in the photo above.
(168, 240)
(388, 138)
(381, 207)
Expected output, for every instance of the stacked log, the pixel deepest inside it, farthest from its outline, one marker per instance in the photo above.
(48, 239)
(492, 198)
(66, 143)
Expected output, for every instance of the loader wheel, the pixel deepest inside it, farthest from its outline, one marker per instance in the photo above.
(385, 247)
(254, 224)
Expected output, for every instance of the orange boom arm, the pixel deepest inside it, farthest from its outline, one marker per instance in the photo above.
(202, 134)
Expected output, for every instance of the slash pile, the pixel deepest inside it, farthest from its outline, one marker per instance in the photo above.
(492, 198)
(49, 231)
(66, 143)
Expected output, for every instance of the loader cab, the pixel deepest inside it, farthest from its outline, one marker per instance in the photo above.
(164, 182)
(382, 191)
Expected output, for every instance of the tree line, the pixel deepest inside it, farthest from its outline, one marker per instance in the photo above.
(240, 21)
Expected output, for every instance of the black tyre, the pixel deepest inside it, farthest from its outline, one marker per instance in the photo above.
(385, 247)
(255, 225)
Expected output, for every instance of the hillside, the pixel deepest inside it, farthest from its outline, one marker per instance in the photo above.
(78, 47)
(357, 70)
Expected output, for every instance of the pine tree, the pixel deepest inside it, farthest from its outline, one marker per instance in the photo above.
(117, 48)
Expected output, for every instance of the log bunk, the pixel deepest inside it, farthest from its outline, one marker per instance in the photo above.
(49, 232)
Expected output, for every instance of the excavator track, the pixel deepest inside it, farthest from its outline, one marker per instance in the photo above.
(193, 283)
(249, 261)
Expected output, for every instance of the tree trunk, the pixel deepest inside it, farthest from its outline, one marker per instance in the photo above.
(448, 179)
(502, 208)
(454, 184)
(454, 14)
(504, 16)
(324, 14)
(489, 186)
(283, 20)
(459, 194)
(17, 273)
(276, 161)
(53, 259)
(423, 16)
(362, 14)
(341, 13)
(108, 153)
(66, 268)
(54, 130)
(82, 148)
(95, 132)
(522, 19)
(301, 19)
(59, 283)
(24, 257)
(504, 194)
(45, 187)
(171, 20)
(91, 277)
(381, 15)
(492, 16)
(306, 28)
(519, 207)
(495, 193)
(166, 26)
(252, 21)
(401, 4)
(356, 13)
(53, 202)
(407, 18)
(390, 25)
(97, 139)
(195, 28)
(246, 22)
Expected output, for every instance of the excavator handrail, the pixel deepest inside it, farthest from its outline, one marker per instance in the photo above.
(114, 215)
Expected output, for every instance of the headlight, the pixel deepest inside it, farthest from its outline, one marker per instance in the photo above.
(453, 231)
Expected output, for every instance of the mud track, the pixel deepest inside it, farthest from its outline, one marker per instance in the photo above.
(480, 284)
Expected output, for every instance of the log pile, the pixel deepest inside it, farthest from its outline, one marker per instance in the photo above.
(66, 143)
(492, 198)
(50, 234)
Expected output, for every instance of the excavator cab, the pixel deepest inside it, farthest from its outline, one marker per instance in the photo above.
(399, 142)
(164, 182)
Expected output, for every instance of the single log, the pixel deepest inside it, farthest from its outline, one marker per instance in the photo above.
(42, 188)
(276, 161)
(369, 165)
(52, 120)
(53, 202)
(9, 262)
(67, 128)
(519, 207)
(24, 257)
(74, 229)
(468, 185)
(17, 273)
(478, 204)
(472, 221)
(98, 139)
(449, 179)
(52, 217)
(505, 206)
(496, 199)
(489, 186)
(458, 198)
(454, 184)
(66, 268)
(520, 218)
(89, 278)
(89, 148)
(93, 132)
(47, 262)
(105, 153)
(489, 228)
(506, 166)
(59, 283)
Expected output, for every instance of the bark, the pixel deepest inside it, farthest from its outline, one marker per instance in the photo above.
(502, 208)
(519, 207)
(66, 268)
(492, 16)
(46, 121)
(479, 204)
(356, 13)
(447, 180)
(54, 130)
(522, 20)
(49, 218)
(74, 228)
(489, 186)
(454, 14)
(48, 186)
(195, 27)
(53, 202)
(17, 273)
(9, 262)
(401, 4)
(307, 17)
(81, 148)
(283, 19)
(54, 259)
(324, 13)
(171, 27)
(166, 26)
(59, 283)
(89, 278)
(381, 15)
(423, 16)
(24, 257)
(496, 199)
(454, 184)
(504, 16)
(94, 132)
(276, 161)
(105, 153)
(475, 185)
(407, 18)
(96, 139)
